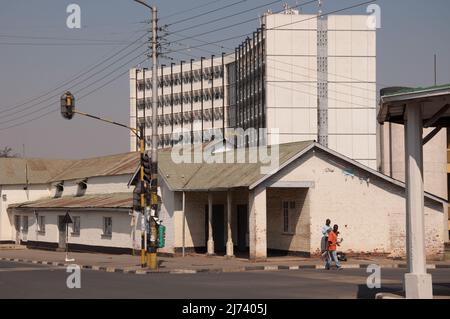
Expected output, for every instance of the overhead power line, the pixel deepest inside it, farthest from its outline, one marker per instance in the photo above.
(34, 111)
(12, 36)
(208, 12)
(74, 78)
(248, 34)
(191, 9)
(227, 17)
(238, 24)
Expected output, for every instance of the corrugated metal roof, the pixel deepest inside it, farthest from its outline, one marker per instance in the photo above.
(37, 171)
(19, 170)
(113, 200)
(100, 166)
(204, 176)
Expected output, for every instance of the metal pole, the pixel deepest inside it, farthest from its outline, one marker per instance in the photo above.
(142, 196)
(136, 106)
(162, 104)
(145, 99)
(171, 102)
(435, 70)
(192, 104)
(201, 93)
(212, 97)
(184, 223)
(153, 231)
(223, 97)
(182, 101)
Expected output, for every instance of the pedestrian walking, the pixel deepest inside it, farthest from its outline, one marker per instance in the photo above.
(332, 246)
(324, 240)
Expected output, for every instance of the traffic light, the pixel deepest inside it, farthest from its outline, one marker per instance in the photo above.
(137, 197)
(161, 236)
(67, 105)
(146, 162)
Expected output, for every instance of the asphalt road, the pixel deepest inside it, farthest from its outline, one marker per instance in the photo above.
(20, 280)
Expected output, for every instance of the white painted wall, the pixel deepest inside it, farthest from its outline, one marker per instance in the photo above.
(434, 158)
(369, 210)
(96, 185)
(12, 194)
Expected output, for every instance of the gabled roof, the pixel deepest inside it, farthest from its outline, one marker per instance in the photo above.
(20, 171)
(96, 201)
(349, 161)
(216, 176)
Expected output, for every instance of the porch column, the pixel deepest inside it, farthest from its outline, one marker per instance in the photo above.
(210, 228)
(418, 283)
(258, 224)
(230, 252)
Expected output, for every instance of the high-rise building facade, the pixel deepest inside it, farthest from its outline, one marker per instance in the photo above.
(192, 101)
(298, 76)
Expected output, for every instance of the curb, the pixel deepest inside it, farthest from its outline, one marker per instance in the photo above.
(212, 270)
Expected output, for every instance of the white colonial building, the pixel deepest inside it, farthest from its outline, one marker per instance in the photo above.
(226, 208)
(36, 194)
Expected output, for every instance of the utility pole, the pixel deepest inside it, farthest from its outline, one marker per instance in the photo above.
(152, 251)
(435, 70)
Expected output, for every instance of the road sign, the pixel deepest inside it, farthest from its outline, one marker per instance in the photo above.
(67, 219)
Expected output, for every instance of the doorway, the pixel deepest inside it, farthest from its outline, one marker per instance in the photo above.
(218, 226)
(242, 227)
(62, 233)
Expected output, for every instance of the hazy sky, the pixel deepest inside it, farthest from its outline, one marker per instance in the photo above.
(33, 61)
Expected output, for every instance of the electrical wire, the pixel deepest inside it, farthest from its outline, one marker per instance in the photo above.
(226, 17)
(78, 99)
(75, 77)
(77, 91)
(241, 23)
(208, 12)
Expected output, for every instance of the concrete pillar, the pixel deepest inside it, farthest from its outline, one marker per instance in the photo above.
(230, 252)
(210, 228)
(418, 283)
(258, 224)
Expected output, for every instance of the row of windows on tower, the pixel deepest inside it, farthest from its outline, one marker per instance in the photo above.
(177, 79)
(186, 117)
(167, 99)
(165, 140)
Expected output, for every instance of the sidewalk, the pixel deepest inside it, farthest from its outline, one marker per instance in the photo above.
(191, 263)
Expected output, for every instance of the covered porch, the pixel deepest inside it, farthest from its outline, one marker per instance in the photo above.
(269, 220)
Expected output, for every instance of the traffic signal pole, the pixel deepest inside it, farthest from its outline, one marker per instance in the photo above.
(142, 183)
(152, 260)
(143, 187)
(157, 231)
